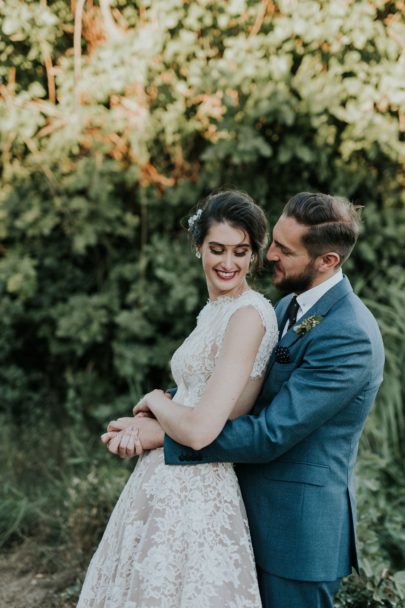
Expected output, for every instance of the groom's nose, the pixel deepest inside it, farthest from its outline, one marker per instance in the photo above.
(272, 254)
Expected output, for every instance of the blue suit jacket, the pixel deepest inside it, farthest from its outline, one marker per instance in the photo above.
(297, 448)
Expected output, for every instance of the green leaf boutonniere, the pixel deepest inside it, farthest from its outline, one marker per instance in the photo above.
(308, 324)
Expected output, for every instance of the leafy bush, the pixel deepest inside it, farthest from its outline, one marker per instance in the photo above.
(56, 485)
(96, 279)
(381, 536)
(109, 141)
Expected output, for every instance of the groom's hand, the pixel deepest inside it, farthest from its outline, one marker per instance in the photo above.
(151, 433)
(134, 436)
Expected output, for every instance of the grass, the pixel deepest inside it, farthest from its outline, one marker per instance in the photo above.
(58, 489)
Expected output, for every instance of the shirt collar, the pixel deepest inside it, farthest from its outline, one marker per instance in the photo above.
(308, 298)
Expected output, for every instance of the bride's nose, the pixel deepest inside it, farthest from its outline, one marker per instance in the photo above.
(227, 260)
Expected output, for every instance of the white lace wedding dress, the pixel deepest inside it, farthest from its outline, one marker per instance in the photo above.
(178, 536)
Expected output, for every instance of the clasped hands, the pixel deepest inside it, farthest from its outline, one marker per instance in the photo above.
(131, 436)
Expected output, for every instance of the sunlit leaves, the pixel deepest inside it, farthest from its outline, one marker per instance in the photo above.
(179, 98)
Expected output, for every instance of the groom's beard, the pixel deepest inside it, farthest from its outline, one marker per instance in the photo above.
(297, 283)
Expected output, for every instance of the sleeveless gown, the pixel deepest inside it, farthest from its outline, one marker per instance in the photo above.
(178, 536)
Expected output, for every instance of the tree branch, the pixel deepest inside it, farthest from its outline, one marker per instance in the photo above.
(77, 38)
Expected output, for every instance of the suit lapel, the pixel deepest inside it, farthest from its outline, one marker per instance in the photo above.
(281, 314)
(321, 307)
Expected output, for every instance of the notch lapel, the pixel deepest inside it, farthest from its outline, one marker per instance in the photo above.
(281, 314)
(321, 307)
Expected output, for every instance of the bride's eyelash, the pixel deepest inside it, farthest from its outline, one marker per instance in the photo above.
(238, 254)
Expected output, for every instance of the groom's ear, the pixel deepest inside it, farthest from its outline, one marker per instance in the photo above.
(327, 261)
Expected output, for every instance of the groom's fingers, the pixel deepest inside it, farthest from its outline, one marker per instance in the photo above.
(125, 444)
(130, 449)
(137, 448)
(138, 445)
(122, 448)
(113, 445)
(129, 444)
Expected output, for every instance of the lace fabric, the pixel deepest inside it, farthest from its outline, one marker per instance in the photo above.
(178, 536)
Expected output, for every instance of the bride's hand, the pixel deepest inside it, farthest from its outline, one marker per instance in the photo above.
(142, 408)
(120, 424)
(146, 403)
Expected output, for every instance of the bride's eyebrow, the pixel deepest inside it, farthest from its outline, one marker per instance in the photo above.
(245, 245)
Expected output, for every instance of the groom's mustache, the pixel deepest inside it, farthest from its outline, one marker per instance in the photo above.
(273, 266)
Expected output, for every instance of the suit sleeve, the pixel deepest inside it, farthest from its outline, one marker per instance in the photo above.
(334, 370)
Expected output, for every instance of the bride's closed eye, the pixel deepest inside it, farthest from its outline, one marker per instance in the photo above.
(240, 253)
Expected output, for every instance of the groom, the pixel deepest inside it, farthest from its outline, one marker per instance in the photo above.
(296, 450)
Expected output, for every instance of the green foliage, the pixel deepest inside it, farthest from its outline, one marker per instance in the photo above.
(64, 499)
(107, 145)
(96, 279)
(381, 536)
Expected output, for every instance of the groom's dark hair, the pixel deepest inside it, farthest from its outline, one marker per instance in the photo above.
(333, 223)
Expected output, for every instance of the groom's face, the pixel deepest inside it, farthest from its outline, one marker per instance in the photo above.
(293, 268)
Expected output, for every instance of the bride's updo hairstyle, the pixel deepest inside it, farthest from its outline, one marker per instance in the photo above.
(238, 210)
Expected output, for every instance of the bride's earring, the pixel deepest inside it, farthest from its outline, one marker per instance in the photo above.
(252, 259)
(198, 255)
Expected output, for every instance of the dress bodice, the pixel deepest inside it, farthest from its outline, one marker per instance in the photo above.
(194, 361)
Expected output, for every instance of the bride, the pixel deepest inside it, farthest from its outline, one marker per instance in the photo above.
(178, 536)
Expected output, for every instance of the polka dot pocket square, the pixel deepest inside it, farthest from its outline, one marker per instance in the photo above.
(282, 354)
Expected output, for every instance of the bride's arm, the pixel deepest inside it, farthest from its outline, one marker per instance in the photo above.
(198, 426)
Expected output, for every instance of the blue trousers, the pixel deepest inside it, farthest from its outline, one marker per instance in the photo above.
(277, 592)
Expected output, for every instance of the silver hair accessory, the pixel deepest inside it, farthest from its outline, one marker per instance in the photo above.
(194, 218)
(198, 255)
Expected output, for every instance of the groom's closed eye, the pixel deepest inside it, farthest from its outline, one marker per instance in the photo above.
(284, 250)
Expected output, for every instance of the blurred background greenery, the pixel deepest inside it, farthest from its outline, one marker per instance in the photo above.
(115, 118)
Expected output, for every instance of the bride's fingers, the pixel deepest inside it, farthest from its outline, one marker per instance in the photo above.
(141, 406)
(119, 424)
(106, 437)
(114, 425)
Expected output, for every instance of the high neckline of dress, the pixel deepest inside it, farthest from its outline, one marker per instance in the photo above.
(221, 299)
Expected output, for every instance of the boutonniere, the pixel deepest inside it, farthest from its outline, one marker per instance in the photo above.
(308, 324)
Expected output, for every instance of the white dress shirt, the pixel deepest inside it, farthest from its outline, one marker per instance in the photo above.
(308, 298)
